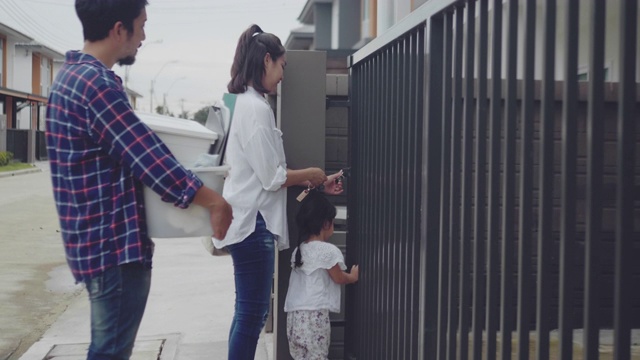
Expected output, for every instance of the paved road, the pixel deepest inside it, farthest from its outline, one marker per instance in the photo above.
(35, 283)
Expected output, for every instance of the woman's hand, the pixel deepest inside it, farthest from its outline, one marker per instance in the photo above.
(316, 176)
(333, 185)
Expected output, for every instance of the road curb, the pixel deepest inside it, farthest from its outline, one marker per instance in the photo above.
(19, 172)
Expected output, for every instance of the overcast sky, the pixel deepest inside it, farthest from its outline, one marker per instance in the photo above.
(189, 46)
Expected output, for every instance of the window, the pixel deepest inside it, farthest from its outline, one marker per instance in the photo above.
(583, 73)
(45, 76)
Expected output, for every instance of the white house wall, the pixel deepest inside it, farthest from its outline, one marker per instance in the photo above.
(22, 68)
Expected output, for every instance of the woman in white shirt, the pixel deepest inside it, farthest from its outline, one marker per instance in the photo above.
(314, 284)
(256, 185)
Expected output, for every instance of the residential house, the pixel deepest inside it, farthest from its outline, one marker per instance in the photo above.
(27, 69)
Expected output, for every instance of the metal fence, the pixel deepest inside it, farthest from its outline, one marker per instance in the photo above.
(494, 215)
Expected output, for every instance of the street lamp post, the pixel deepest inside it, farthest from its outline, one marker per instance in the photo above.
(127, 68)
(153, 81)
(164, 97)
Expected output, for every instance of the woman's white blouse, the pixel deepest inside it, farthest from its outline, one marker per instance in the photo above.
(255, 155)
(310, 285)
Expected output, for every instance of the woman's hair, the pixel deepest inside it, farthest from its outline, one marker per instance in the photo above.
(314, 213)
(248, 62)
(99, 16)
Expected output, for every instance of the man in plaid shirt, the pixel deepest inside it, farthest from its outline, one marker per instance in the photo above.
(101, 155)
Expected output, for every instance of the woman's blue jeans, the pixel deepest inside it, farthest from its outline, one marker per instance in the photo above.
(253, 263)
(118, 299)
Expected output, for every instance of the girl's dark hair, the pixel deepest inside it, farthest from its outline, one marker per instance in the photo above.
(248, 62)
(99, 16)
(314, 213)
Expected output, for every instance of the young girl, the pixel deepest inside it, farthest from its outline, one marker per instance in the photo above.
(314, 285)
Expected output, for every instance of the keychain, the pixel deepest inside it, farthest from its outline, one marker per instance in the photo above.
(304, 193)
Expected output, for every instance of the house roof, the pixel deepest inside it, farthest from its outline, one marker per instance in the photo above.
(5, 29)
(45, 50)
(300, 38)
(306, 16)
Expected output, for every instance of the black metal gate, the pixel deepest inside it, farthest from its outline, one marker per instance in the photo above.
(488, 211)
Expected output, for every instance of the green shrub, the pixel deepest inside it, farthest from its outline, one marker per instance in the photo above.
(5, 157)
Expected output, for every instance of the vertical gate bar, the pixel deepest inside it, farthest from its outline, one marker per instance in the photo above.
(567, 279)
(465, 218)
(395, 198)
(385, 241)
(417, 170)
(404, 256)
(380, 203)
(479, 218)
(526, 184)
(359, 142)
(454, 192)
(352, 328)
(493, 221)
(378, 194)
(369, 226)
(545, 209)
(508, 182)
(373, 223)
(445, 242)
(410, 266)
(365, 228)
(595, 139)
(625, 180)
(392, 236)
(364, 221)
(376, 221)
(430, 182)
(409, 220)
(359, 146)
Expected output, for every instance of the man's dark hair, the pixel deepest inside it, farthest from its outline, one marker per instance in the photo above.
(99, 16)
(248, 62)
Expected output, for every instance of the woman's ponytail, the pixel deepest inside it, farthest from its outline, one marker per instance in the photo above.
(238, 85)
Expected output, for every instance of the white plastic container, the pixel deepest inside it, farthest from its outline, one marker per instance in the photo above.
(186, 139)
(164, 220)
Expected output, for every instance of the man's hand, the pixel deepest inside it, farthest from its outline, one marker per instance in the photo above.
(221, 216)
(220, 213)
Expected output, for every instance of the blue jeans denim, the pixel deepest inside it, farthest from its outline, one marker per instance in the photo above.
(118, 299)
(253, 264)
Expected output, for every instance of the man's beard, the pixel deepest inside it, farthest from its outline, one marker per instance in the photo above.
(129, 60)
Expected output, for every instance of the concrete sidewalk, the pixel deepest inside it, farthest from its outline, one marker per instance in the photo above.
(188, 314)
(190, 306)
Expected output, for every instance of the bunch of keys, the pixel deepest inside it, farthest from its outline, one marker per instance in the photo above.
(343, 173)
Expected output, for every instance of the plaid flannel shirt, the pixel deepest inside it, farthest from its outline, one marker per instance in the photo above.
(101, 155)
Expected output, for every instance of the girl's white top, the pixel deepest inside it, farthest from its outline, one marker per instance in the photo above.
(258, 169)
(310, 286)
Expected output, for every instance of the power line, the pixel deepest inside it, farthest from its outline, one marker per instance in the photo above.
(33, 27)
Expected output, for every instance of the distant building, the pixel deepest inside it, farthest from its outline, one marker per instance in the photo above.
(27, 70)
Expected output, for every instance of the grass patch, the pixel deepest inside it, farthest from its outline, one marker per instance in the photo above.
(15, 166)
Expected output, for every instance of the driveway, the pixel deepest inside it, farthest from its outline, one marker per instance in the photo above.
(35, 284)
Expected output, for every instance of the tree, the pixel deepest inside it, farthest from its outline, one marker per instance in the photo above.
(201, 115)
